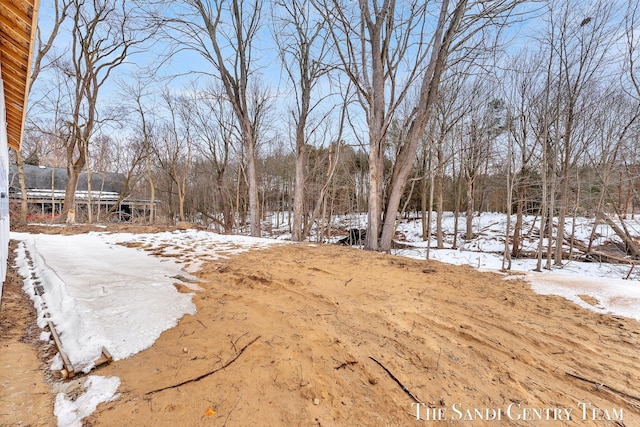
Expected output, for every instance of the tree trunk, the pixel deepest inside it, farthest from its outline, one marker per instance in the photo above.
(517, 230)
(623, 234)
(334, 153)
(70, 194)
(427, 97)
(181, 204)
(430, 210)
(89, 197)
(439, 192)
(73, 172)
(423, 194)
(470, 209)
(424, 200)
(376, 148)
(298, 195)
(252, 178)
(456, 209)
(152, 188)
(562, 214)
(227, 218)
(506, 259)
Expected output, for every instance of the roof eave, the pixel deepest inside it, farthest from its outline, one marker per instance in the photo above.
(17, 60)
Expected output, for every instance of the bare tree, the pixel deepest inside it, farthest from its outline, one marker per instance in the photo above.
(451, 108)
(137, 92)
(224, 33)
(300, 33)
(522, 96)
(582, 40)
(126, 157)
(333, 161)
(214, 132)
(373, 41)
(482, 127)
(174, 147)
(102, 38)
(614, 117)
(384, 48)
(455, 31)
(632, 51)
(146, 131)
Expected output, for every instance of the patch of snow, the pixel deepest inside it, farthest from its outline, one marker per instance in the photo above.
(602, 281)
(95, 291)
(615, 296)
(56, 363)
(98, 390)
(191, 248)
(100, 293)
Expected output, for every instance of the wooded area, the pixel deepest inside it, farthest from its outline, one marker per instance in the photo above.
(226, 111)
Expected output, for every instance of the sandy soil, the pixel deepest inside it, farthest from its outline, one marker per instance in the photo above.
(25, 393)
(288, 336)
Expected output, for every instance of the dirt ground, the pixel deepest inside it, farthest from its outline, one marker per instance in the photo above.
(25, 383)
(312, 335)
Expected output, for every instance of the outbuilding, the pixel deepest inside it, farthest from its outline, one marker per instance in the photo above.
(107, 196)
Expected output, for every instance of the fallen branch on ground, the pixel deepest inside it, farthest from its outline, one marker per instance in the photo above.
(345, 364)
(592, 255)
(623, 233)
(597, 256)
(233, 359)
(606, 387)
(393, 377)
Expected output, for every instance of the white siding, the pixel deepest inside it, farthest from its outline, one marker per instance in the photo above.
(4, 191)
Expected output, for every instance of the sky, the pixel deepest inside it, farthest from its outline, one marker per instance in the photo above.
(87, 298)
(268, 70)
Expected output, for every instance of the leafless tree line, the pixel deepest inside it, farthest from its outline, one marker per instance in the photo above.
(383, 107)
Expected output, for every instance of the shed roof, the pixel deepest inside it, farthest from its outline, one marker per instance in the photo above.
(17, 33)
(47, 178)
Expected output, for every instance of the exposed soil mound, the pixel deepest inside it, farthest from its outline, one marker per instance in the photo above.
(288, 336)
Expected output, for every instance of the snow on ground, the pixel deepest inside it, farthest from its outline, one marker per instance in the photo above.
(99, 389)
(602, 281)
(100, 293)
(614, 296)
(192, 248)
(95, 291)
